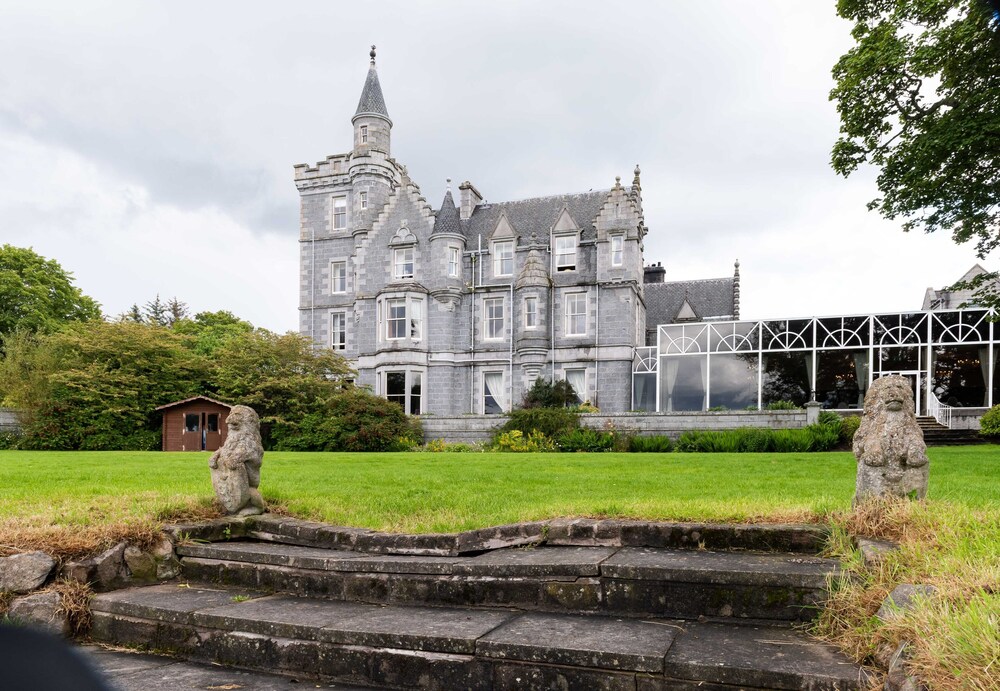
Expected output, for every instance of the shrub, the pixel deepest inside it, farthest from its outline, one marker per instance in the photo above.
(848, 427)
(653, 444)
(440, 445)
(552, 422)
(354, 421)
(781, 405)
(828, 417)
(761, 440)
(544, 394)
(989, 424)
(823, 437)
(9, 440)
(586, 439)
(518, 442)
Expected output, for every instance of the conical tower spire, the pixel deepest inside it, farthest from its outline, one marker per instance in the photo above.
(372, 103)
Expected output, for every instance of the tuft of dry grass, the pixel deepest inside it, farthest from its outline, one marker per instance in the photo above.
(75, 603)
(954, 636)
(68, 542)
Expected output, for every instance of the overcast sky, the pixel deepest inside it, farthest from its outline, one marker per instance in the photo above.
(148, 147)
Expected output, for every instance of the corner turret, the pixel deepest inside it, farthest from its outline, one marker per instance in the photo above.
(372, 125)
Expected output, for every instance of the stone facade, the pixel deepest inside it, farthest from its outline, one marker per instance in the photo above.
(458, 310)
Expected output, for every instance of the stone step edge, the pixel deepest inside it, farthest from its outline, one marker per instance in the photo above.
(576, 532)
(691, 573)
(107, 621)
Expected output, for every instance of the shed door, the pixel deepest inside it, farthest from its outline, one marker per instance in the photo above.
(191, 434)
(213, 435)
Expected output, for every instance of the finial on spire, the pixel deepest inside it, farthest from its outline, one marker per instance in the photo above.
(372, 54)
(448, 187)
(618, 181)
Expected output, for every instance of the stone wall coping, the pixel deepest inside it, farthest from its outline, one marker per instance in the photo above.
(610, 532)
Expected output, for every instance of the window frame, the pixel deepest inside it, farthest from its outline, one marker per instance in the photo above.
(364, 134)
(491, 321)
(338, 267)
(533, 312)
(499, 407)
(412, 403)
(363, 196)
(570, 315)
(342, 318)
(500, 249)
(454, 261)
(338, 209)
(619, 240)
(581, 396)
(396, 322)
(561, 264)
(399, 267)
(415, 317)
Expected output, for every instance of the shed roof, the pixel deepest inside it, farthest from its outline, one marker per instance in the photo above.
(193, 398)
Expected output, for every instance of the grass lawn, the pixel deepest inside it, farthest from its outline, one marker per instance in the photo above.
(74, 502)
(431, 492)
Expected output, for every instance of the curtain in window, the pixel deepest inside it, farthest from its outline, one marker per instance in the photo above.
(577, 378)
(670, 366)
(493, 392)
(984, 365)
(861, 372)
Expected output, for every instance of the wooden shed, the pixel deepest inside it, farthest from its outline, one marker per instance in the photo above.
(194, 424)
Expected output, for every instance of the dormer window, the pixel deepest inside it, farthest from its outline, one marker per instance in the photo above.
(503, 258)
(403, 263)
(364, 200)
(617, 249)
(364, 134)
(566, 253)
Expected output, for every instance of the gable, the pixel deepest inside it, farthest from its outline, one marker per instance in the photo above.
(565, 223)
(503, 229)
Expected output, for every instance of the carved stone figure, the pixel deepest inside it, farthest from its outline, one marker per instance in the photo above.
(236, 466)
(889, 445)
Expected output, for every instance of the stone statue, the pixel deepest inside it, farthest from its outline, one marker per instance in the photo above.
(236, 466)
(889, 445)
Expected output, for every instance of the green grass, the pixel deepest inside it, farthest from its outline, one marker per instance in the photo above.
(71, 503)
(424, 492)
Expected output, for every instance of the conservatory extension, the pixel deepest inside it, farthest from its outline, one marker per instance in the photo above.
(950, 357)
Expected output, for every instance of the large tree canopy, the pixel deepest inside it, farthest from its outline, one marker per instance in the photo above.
(919, 98)
(36, 294)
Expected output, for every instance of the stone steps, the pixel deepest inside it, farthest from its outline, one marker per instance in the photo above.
(399, 646)
(623, 581)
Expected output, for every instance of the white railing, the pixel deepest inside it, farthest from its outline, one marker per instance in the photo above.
(939, 411)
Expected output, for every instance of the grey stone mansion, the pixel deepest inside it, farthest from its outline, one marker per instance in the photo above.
(460, 309)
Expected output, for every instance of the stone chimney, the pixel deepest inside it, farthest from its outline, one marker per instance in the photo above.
(653, 273)
(470, 199)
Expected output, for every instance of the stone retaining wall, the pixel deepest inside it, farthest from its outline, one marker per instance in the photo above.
(478, 428)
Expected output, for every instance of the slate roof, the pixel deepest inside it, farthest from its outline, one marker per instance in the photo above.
(193, 398)
(710, 298)
(538, 215)
(372, 101)
(448, 219)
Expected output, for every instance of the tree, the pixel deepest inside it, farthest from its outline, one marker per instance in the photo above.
(919, 99)
(96, 385)
(212, 330)
(156, 313)
(283, 377)
(36, 294)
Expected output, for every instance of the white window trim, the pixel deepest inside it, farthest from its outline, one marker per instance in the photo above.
(556, 254)
(498, 258)
(364, 134)
(333, 343)
(333, 276)
(407, 386)
(534, 299)
(364, 199)
(582, 395)
(334, 214)
(415, 317)
(398, 271)
(620, 239)
(482, 397)
(456, 252)
(390, 319)
(567, 319)
(487, 320)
